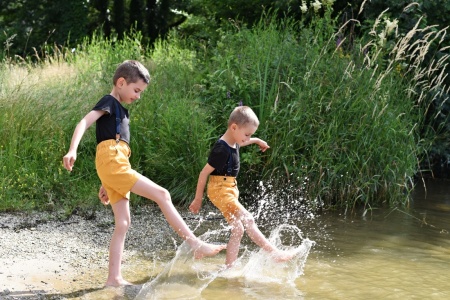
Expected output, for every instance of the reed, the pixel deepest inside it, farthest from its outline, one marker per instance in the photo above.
(345, 121)
(170, 130)
(42, 99)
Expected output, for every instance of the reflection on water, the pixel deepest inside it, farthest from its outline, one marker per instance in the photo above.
(388, 254)
(383, 254)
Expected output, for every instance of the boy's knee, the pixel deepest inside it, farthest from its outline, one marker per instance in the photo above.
(248, 220)
(163, 196)
(123, 225)
(237, 229)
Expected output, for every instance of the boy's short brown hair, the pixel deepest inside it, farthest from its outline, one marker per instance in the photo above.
(243, 115)
(132, 71)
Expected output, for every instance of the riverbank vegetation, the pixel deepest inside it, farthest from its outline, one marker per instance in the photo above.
(345, 114)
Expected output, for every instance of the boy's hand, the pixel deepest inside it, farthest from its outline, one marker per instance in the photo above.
(103, 195)
(195, 206)
(69, 160)
(262, 145)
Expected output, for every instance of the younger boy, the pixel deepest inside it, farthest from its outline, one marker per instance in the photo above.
(222, 169)
(113, 167)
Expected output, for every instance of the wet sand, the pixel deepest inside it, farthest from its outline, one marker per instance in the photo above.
(42, 257)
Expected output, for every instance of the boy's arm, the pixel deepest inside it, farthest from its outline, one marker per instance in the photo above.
(202, 179)
(85, 123)
(262, 144)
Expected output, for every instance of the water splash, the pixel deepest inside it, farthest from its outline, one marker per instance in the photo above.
(182, 278)
(258, 266)
(289, 201)
(186, 278)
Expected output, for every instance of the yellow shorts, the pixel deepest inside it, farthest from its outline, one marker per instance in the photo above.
(223, 193)
(114, 169)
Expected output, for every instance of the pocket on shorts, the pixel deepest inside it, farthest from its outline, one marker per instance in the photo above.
(214, 190)
(105, 155)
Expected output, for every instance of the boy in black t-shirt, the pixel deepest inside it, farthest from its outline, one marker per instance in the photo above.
(113, 167)
(222, 169)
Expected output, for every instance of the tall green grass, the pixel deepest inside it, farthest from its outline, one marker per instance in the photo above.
(345, 124)
(42, 102)
(170, 130)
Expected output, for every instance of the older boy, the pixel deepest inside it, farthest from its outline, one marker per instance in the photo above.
(113, 167)
(222, 169)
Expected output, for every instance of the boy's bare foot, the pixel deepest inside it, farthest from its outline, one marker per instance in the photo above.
(117, 283)
(205, 250)
(283, 256)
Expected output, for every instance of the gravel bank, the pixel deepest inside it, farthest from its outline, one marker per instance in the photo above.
(45, 258)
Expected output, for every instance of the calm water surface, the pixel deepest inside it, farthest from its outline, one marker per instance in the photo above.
(382, 254)
(389, 254)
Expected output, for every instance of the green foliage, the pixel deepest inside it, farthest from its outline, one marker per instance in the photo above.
(169, 127)
(346, 122)
(49, 100)
(118, 17)
(30, 26)
(137, 14)
(33, 132)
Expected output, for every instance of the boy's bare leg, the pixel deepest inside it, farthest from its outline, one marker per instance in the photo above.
(237, 231)
(122, 220)
(259, 239)
(253, 231)
(150, 190)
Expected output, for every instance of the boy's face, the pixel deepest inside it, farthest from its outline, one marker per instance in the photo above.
(130, 92)
(243, 134)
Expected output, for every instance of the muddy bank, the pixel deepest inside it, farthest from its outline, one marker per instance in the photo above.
(42, 257)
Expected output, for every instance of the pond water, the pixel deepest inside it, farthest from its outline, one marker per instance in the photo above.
(388, 254)
(377, 254)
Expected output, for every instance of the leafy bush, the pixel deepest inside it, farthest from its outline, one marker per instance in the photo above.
(345, 117)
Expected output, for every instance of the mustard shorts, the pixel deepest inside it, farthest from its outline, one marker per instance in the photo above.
(223, 193)
(114, 169)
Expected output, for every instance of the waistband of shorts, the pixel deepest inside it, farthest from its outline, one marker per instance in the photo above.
(107, 143)
(217, 178)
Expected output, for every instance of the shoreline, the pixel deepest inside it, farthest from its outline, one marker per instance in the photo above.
(45, 258)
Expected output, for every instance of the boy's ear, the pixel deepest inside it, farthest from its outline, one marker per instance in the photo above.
(233, 126)
(120, 81)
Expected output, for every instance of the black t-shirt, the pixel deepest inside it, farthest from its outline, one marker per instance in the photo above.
(219, 159)
(106, 124)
